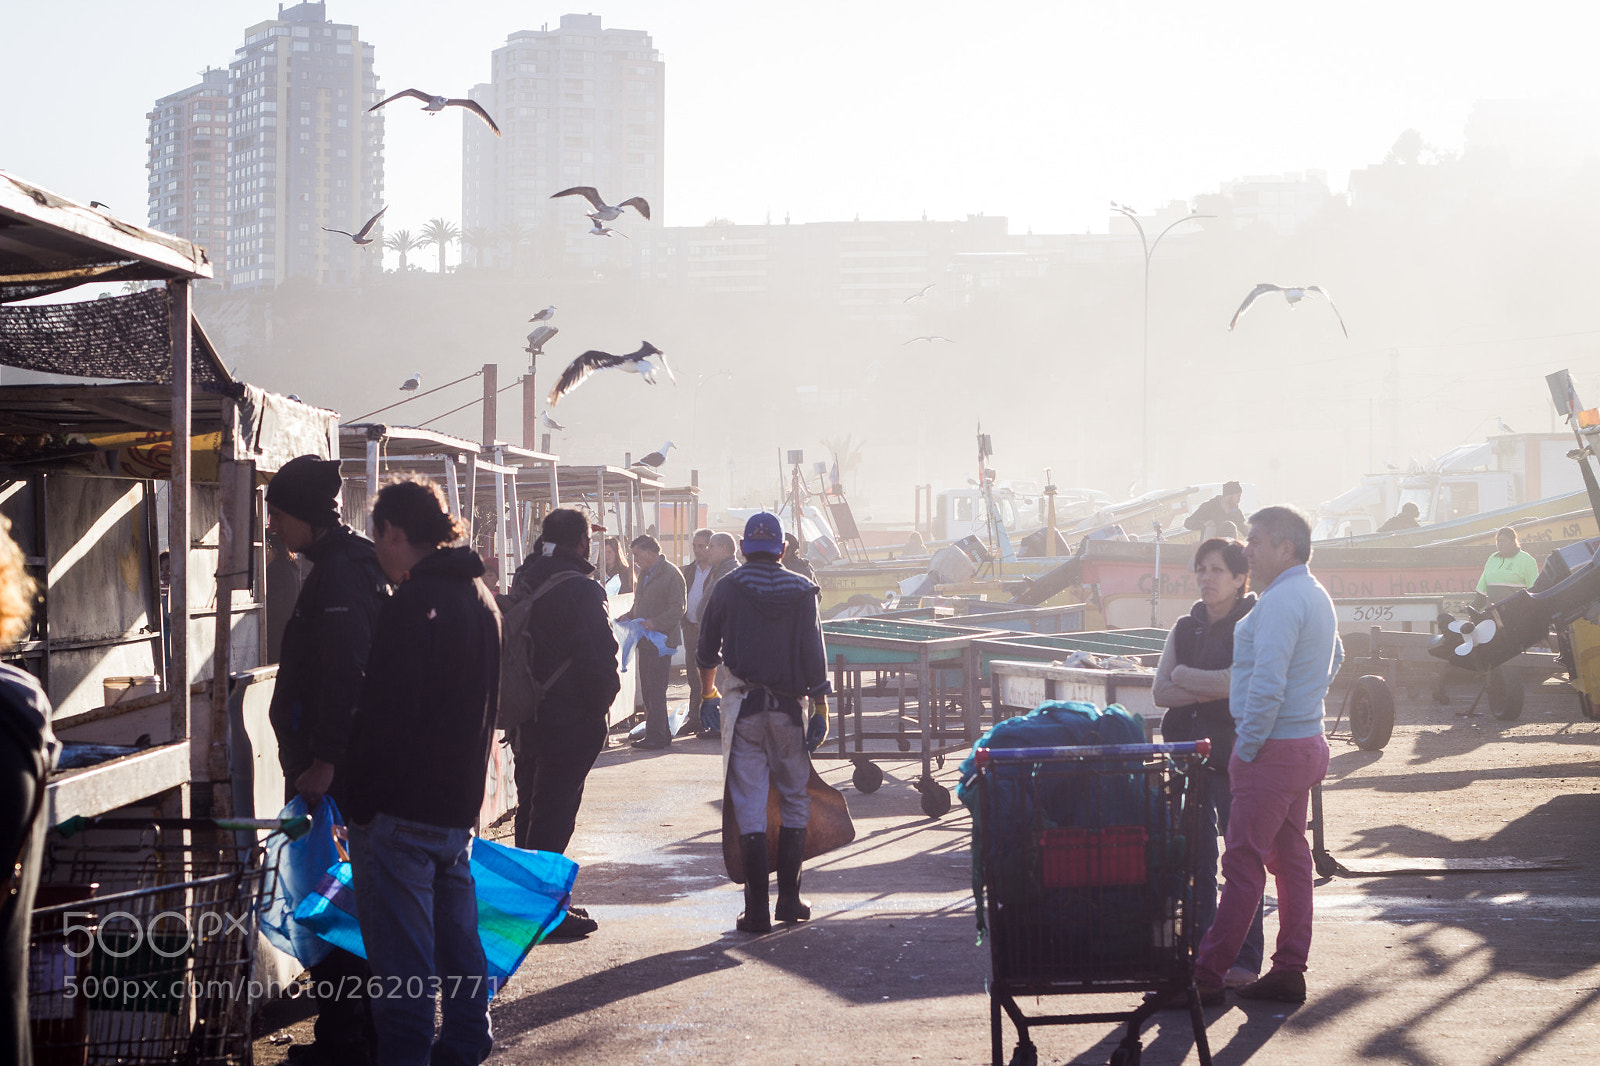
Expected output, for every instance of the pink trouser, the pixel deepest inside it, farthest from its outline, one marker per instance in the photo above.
(1267, 831)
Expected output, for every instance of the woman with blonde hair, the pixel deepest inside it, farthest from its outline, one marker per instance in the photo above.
(27, 754)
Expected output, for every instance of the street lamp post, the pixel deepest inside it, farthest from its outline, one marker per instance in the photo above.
(1149, 248)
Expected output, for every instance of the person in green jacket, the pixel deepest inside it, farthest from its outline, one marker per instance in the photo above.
(1510, 565)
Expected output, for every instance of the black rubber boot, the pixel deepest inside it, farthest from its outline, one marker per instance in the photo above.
(755, 918)
(791, 849)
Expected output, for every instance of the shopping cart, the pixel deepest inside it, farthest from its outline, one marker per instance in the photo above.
(143, 947)
(1088, 865)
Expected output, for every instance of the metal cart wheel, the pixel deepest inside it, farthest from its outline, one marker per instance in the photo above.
(1505, 693)
(1127, 1056)
(935, 797)
(868, 777)
(1371, 712)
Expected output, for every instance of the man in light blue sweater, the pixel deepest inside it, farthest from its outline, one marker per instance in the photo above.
(1285, 652)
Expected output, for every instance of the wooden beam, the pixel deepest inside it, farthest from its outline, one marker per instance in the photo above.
(126, 412)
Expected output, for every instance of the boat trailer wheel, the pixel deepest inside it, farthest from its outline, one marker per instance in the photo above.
(867, 776)
(1371, 712)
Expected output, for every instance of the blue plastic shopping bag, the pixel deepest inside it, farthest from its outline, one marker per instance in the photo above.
(522, 895)
(301, 865)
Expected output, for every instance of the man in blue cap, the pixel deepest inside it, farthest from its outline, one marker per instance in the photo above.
(762, 621)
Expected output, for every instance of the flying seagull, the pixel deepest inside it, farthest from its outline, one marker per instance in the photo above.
(919, 294)
(604, 212)
(929, 337)
(1294, 294)
(657, 457)
(644, 362)
(539, 338)
(546, 315)
(412, 383)
(436, 104)
(599, 230)
(361, 237)
(549, 423)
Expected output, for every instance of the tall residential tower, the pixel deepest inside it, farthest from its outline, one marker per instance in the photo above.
(578, 105)
(189, 163)
(303, 152)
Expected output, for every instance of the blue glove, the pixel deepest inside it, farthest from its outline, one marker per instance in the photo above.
(817, 728)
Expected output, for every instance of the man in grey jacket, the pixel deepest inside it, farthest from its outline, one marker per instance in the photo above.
(658, 602)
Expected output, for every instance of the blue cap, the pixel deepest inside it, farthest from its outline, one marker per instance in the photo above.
(762, 533)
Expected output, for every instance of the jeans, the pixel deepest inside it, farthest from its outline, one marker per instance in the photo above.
(768, 748)
(654, 671)
(553, 758)
(1267, 831)
(419, 918)
(1215, 817)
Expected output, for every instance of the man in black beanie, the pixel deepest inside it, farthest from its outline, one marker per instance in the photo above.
(323, 660)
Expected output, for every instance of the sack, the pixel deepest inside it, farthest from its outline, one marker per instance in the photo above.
(521, 692)
(301, 865)
(830, 826)
(522, 896)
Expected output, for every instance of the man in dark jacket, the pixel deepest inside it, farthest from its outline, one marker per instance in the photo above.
(573, 643)
(658, 602)
(324, 654)
(1217, 510)
(763, 621)
(417, 764)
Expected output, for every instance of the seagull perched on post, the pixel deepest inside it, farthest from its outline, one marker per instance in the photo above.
(919, 294)
(436, 104)
(604, 212)
(1294, 294)
(644, 362)
(549, 423)
(544, 316)
(539, 338)
(1502, 424)
(360, 237)
(657, 457)
(412, 383)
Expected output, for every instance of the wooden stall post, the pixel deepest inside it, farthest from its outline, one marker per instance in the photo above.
(182, 347)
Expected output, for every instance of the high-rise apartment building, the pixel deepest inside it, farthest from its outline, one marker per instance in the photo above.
(578, 105)
(304, 152)
(189, 163)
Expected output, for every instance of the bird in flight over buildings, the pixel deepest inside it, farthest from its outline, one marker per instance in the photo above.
(919, 294)
(657, 457)
(412, 383)
(929, 337)
(549, 423)
(544, 316)
(644, 362)
(601, 230)
(436, 104)
(539, 338)
(604, 212)
(360, 237)
(1294, 294)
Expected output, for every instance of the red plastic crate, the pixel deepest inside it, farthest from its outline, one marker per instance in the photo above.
(1078, 858)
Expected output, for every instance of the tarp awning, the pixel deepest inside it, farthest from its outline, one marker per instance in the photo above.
(123, 338)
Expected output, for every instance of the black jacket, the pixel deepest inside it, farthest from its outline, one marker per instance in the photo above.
(1205, 645)
(324, 652)
(569, 622)
(762, 619)
(426, 715)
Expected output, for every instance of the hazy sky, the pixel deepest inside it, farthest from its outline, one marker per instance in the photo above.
(883, 109)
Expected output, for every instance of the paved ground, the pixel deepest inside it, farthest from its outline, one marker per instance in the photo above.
(1456, 969)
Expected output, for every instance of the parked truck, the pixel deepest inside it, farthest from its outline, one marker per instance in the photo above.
(1503, 471)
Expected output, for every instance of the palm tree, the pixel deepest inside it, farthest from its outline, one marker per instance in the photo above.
(441, 234)
(404, 243)
(479, 238)
(509, 236)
